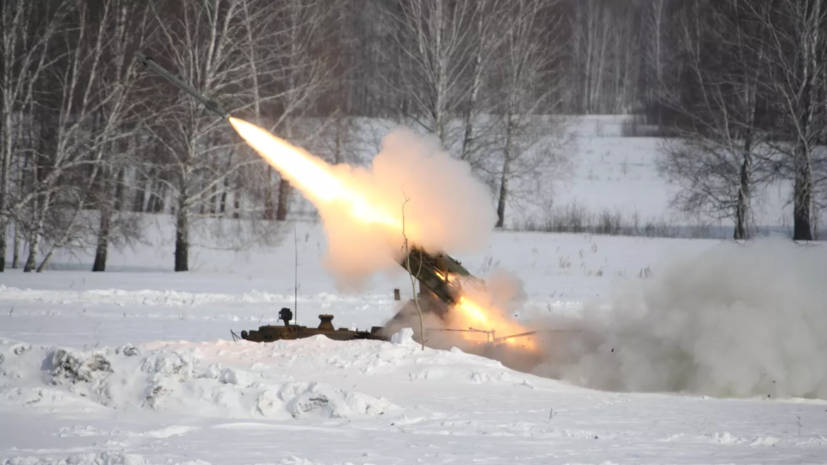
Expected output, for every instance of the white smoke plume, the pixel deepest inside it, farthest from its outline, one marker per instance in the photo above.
(445, 207)
(739, 320)
(448, 208)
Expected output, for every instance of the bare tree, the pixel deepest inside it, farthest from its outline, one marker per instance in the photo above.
(795, 43)
(722, 156)
(486, 41)
(593, 29)
(304, 70)
(122, 124)
(205, 42)
(434, 39)
(655, 24)
(26, 31)
(69, 99)
(530, 144)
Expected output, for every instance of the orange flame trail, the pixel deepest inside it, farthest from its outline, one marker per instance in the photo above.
(490, 319)
(312, 175)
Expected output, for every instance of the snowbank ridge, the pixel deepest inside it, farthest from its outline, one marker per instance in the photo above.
(177, 380)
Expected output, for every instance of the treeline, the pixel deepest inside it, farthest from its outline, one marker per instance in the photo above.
(744, 93)
(90, 139)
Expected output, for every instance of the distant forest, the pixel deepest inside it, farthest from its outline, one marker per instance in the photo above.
(737, 88)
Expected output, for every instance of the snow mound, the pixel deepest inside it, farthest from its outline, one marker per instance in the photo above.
(403, 337)
(403, 359)
(100, 458)
(163, 298)
(179, 380)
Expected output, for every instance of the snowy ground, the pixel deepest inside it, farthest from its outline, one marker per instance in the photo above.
(186, 393)
(317, 401)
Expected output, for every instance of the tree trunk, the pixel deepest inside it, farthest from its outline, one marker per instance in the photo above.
(182, 244)
(284, 200)
(269, 206)
(3, 228)
(222, 203)
(337, 154)
(505, 174)
(40, 210)
(138, 200)
(119, 189)
(103, 241)
(105, 225)
(237, 199)
(15, 262)
(802, 196)
(214, 200)
(476, 81)
(502, 199)
(34, 243)
(808, 69)
(5, 163)
(742, 207)
(31, 260)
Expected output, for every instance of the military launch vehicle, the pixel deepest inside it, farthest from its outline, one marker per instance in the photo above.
(439, 277)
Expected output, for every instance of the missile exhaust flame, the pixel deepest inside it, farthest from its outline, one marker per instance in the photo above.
(311, 175)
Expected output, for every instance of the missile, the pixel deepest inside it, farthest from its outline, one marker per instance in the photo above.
(211, 105)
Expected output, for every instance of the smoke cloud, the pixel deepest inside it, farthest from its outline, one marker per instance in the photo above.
(737, 321)
(447, 208)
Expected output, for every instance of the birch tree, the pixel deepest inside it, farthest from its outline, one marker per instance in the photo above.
(205, 44)
(655, 24)
(303, 71)
(434, 39)
(69, 98)
(592, 29)
(121, 121)
(795, 44)
(486, 41)
(530, 144)
(722, 157)
(26, 32)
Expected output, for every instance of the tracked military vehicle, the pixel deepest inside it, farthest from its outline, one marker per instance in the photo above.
(270, 333)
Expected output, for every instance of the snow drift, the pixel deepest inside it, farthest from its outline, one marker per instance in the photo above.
(175, 380)
(737, 320)
(99, 458)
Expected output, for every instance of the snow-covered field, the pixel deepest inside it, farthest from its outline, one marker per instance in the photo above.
(139, 367)
(707, 352)
(619, 174)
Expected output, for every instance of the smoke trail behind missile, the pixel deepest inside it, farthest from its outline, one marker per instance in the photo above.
(361, 207)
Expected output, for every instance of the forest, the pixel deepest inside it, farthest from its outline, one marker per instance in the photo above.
(91, 140)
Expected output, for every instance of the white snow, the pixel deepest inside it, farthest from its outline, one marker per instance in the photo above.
(138, 368)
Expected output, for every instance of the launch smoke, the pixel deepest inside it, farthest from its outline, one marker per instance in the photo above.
(736, 321)
(447, 209)
(445, 206)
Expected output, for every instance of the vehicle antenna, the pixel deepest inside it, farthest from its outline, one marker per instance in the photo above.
(296, 275)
